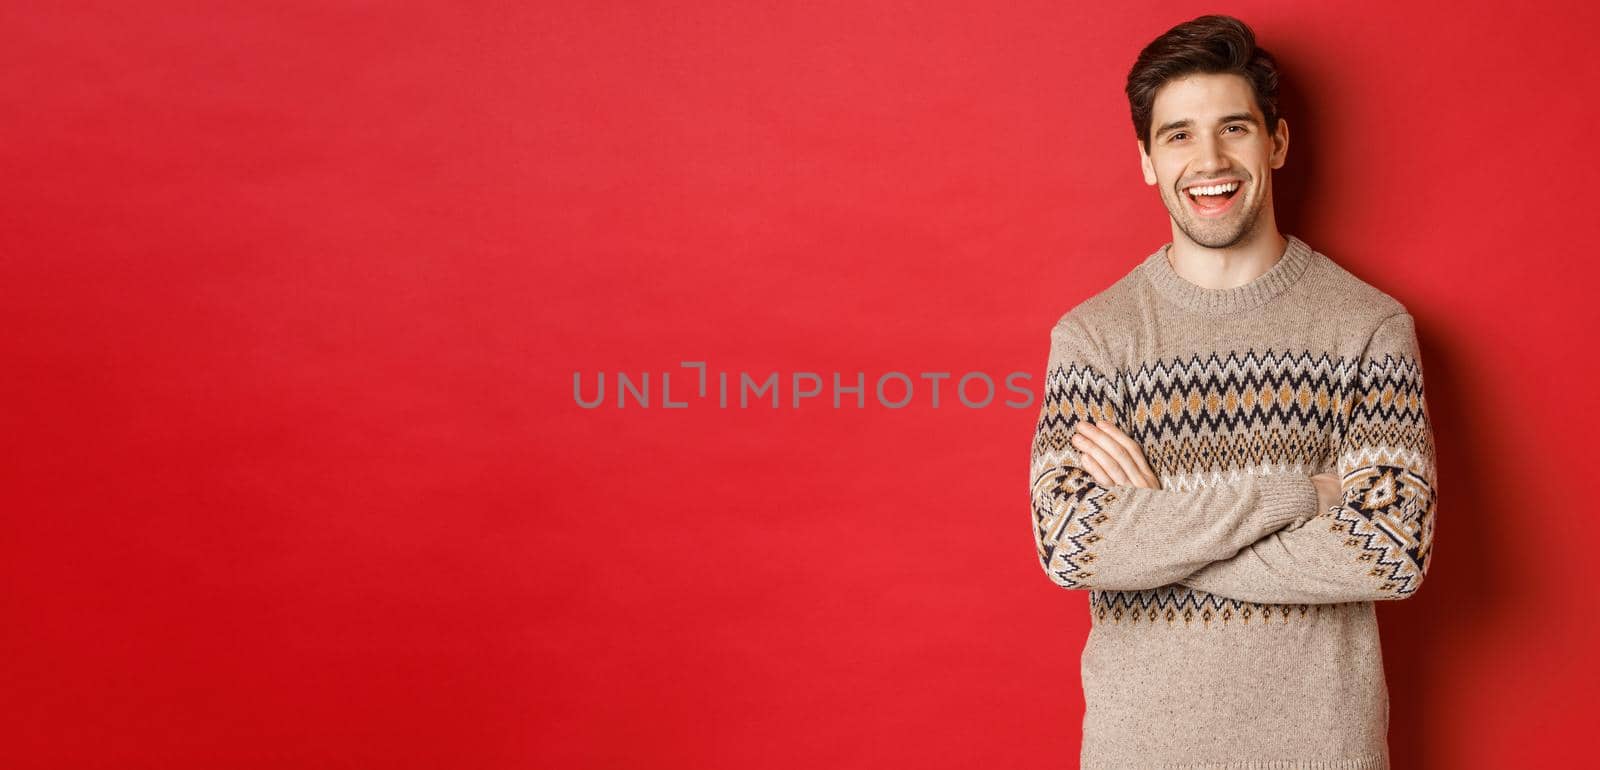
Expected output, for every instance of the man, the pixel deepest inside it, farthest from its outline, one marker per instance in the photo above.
(1234, 456)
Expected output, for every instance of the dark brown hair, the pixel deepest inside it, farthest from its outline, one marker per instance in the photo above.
(1209, 44)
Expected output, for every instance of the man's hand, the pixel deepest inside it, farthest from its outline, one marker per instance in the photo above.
(1329, 491)
(1111, 457)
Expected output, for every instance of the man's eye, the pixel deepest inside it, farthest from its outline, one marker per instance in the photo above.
(1241, 128)
(1175, 136)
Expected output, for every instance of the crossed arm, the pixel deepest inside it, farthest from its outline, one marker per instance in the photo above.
(1106, 534)
(1102, 521)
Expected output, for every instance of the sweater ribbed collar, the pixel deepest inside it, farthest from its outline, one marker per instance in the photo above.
(1283, 273)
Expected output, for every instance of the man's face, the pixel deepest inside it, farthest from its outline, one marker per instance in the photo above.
(1207, 130)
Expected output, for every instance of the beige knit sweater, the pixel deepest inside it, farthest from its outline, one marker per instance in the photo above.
(1232, 621)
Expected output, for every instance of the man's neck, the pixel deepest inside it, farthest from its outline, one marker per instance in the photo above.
(1226, 268)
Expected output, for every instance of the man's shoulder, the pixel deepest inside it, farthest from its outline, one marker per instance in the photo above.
(1329, 291)
(1352, 298)
(1112, 305)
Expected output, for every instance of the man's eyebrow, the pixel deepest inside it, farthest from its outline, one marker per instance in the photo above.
(1187, 123)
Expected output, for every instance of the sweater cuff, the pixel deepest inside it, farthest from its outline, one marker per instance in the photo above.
(1286, 498)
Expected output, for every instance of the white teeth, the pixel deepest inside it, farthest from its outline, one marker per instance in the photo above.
(1216, 189)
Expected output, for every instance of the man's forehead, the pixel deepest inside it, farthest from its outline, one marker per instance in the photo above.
(1203, 98)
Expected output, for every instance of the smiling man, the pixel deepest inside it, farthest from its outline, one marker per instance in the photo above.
(1233, 457)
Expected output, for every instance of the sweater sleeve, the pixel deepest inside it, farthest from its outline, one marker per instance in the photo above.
(1377, 542)
(1122, 537)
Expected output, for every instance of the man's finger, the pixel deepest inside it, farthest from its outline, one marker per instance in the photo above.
(1091, 451)
(1094, 470)
(1115, 452)
(1136, 451)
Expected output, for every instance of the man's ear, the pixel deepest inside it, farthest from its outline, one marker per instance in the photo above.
(1280, 144)
(1144, 163)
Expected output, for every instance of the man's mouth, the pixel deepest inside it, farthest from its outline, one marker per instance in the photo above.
(1213, 199)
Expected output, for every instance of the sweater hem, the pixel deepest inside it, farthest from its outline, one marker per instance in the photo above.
(1368, 762)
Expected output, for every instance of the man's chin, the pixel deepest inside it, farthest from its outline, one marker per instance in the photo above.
(1218, 235)
(1216, 238)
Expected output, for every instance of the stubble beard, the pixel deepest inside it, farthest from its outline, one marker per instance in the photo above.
(1217, 234)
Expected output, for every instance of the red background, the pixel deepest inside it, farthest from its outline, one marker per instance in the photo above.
(295, 294)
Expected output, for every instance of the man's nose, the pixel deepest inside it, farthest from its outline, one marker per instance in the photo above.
(1211, 157)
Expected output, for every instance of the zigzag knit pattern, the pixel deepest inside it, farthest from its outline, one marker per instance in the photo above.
(1206, 418)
